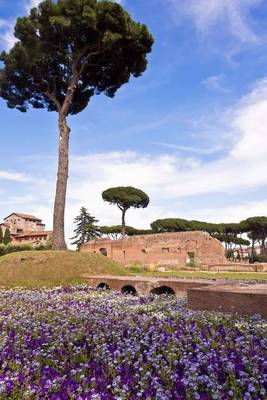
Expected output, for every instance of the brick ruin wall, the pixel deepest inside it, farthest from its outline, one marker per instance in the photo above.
(176, 248)
(243, 299)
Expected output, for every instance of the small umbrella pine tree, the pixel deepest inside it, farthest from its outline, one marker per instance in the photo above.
(125, 197)
(7, 237)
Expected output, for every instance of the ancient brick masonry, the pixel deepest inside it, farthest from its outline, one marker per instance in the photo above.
(240, 298)
(161, 249)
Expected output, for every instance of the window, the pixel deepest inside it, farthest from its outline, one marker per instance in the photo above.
(103, 251)
(143, 250)
(191, 257)
(165, 250)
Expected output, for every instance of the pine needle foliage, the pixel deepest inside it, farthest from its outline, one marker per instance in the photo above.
(86, 228)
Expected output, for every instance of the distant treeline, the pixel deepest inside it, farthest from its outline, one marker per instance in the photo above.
(231, 234)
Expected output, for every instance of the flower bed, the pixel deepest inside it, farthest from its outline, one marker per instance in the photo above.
(77, 343)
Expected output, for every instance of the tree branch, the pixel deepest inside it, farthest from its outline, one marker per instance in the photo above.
(53, 98)
(76, 73)
(94, 53)
(51, 44)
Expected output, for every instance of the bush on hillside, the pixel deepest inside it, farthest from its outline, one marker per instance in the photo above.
(13, 248)
(47, 246)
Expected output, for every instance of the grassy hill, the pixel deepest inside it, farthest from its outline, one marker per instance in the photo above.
(53, 268)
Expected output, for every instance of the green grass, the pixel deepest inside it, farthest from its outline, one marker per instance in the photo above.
(185, 274)
(34, 269)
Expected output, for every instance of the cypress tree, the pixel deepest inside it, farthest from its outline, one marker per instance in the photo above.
(7, 237)
(86, 228)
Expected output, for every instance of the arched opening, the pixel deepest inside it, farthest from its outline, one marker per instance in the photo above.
(128, 289)
(103, 286)
(163, 290)
(103, 251)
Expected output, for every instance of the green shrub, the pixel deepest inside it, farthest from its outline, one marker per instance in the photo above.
(135, 269)
(2, 249)
(47, 246)
(13, 248)
(262, 258)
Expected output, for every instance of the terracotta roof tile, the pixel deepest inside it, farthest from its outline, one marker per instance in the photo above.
(28, 216)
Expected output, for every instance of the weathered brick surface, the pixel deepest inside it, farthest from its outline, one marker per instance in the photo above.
(243, 299)
(260, 267)
(145, 285)
(161, 249)
(202, 294)
(237, 267)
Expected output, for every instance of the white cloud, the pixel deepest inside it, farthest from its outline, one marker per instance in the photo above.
(170, 179)
(216, 82)
(13, 176)
(3, 23)
(30, 4)
(190, 149)
(212, 17)
(7, 38)
(233, 213)
(174, 183)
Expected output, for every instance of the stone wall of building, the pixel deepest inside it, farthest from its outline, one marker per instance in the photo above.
(25, 228)
(161, 249)
(21, 223)
(145, 285)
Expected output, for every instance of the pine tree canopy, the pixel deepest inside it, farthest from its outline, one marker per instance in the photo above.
(93, 44)
(86, 228)
(67, 51)
(125, 197)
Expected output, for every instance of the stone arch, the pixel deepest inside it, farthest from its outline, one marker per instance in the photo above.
(102, 286)
(128, 289)
(103, 251)
(163, 290)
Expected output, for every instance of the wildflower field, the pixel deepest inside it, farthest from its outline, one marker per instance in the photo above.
(77, 343)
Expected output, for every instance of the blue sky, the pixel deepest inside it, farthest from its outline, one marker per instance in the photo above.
(191, 132)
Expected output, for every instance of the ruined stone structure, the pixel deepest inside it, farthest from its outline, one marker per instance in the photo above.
(176, 248)
(237, 298)
(202, 294)
(25, 228)
(144, 285)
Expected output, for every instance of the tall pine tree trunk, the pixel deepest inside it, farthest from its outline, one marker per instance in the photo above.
(61, 187)
(263, 245)
(123, 230)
